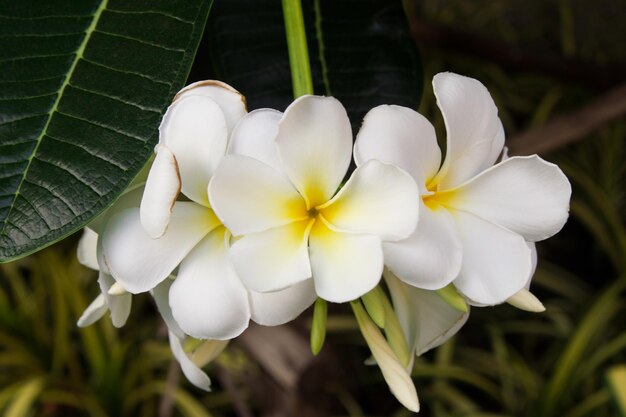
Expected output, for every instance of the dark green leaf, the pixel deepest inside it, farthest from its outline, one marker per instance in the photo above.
(83, 86)
(360, 52)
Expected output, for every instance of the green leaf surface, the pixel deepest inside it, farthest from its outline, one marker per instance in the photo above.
(360, 52)
(83, 86)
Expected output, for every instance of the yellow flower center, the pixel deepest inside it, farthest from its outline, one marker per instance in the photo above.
(440, 199)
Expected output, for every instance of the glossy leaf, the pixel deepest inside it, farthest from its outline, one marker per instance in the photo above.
(83, 86)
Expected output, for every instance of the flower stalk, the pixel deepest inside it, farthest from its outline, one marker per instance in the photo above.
(301, 78)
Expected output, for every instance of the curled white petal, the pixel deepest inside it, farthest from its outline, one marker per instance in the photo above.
(87, 249)
(395, 374)
(192, 372)
(426, 319)
(161, 295)
(525, 300)
(475, 134)
(231, 102)
(161, 190)
(93, 312)
(119, 304)
(194, 130)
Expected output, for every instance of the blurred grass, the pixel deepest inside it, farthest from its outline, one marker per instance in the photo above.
(566, 362)
(49, 367)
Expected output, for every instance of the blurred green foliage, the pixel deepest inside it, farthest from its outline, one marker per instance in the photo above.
(566, 362)
(50, 367)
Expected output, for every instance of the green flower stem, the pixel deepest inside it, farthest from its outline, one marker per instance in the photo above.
(301, 79)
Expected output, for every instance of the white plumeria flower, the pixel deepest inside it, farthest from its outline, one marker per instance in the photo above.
(292, 225)
(143, 246)
(475, 218)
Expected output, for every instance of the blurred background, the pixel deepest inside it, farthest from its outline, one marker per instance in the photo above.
(557, 72)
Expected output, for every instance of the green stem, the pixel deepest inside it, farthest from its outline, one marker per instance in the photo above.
(301, 79)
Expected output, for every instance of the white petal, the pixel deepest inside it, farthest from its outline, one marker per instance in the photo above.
(93, 312)
(249, 196)
(431, 257)
(117, 289)
(345, 266)
(162, 188)
(496, 262)
(533, 257)
(194, 129)
(526, 195)
(208, 351)
(208, 300)
(161, 294)
(189, 364)
(525, 300)
(255, 136)
(276, 308)
(427, 320)
(315, 145)
(378, 199)
(192, 372)
(273, 259)
(139, 262)
(400, 136)
(231, 102)
(87, 249)
(475, 134)
(131, 197)
(119, 305)
(396, 376)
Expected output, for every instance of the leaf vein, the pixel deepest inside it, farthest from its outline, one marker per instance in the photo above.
(8, 98)
(65, 169)
(24, 58)
(133, 39)
(89, 151)
(171, 16)
(78, 55)
(52, 193)
(118, 99)
(147, 77)
(19, 119)
(102, 125)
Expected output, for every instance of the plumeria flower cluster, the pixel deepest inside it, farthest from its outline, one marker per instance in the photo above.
(249, 216)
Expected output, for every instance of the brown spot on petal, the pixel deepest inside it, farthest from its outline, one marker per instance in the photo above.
(206, 83)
